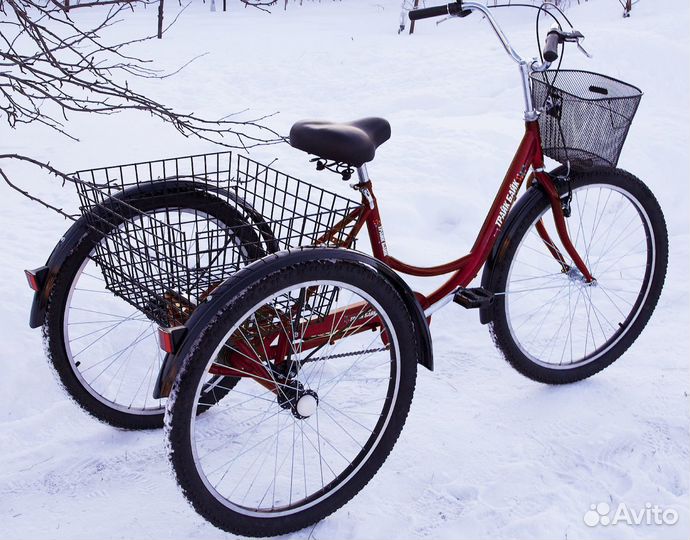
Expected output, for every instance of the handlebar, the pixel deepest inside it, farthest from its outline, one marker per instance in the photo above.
(553, 39)
(452, 9)
(556, 36)
(462, 8)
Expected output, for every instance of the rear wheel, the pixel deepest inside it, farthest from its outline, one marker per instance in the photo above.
(104, 351)
(283, 450)
(549, 323)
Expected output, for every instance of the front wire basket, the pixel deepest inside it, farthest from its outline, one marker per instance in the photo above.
(586, 116)
(168, 232)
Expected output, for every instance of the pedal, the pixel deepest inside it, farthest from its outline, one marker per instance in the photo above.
(474, 298)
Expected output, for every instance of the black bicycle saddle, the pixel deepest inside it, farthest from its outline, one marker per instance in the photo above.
(354, 143)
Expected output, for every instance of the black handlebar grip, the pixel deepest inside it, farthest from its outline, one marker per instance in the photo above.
(434, 11)
(551, 48)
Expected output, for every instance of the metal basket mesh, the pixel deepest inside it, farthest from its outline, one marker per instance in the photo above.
(168, 261)
(586, 115)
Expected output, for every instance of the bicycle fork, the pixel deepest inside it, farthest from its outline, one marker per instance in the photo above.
(547, 183)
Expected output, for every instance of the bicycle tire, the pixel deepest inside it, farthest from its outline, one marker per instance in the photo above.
(185, 430)
(55, 335)
(519, 335)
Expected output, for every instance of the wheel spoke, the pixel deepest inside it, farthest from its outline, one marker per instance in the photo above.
(280, 453)
(115, 361)
(557, 319)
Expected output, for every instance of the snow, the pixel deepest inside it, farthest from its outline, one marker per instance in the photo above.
(485, 453)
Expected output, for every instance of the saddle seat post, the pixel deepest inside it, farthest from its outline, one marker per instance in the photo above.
(363, 174)
(364, 185)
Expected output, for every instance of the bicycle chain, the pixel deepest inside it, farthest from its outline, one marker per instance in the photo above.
(343, 355)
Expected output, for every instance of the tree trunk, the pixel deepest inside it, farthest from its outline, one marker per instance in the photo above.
(160, 19)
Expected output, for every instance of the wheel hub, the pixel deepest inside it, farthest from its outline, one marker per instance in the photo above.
(306, 405)
(579, 279)
(302, 403)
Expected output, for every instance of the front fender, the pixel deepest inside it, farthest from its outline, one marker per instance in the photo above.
(523, 205)
(203, 315)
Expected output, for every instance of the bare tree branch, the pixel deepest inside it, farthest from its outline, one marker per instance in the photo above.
(50, 169)
(50, 68)
(260, 4)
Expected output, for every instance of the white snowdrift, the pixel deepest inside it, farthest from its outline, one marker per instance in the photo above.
(485, 453)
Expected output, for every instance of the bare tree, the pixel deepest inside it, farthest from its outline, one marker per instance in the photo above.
(265, 4)
(52, 68)
(261, 3)
(627, 7)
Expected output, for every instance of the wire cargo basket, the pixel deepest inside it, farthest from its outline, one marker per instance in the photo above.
(586, 116)
(168, 232)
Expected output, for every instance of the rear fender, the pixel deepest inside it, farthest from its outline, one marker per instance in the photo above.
(74, 235)
(80, 230)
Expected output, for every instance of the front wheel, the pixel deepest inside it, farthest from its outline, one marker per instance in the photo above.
(550, 324)
(333, 356)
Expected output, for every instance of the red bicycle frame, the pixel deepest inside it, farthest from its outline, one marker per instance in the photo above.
(354, 319)
(529, 155)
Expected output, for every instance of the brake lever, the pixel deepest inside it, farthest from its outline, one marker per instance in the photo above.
(461, 13)
(574, 37)
(581, 48)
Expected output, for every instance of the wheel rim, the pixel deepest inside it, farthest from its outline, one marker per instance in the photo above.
(260, 460)
(112, 347)
(555, 318)
(101, 358)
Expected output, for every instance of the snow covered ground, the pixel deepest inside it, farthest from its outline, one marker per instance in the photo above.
(485, 453)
